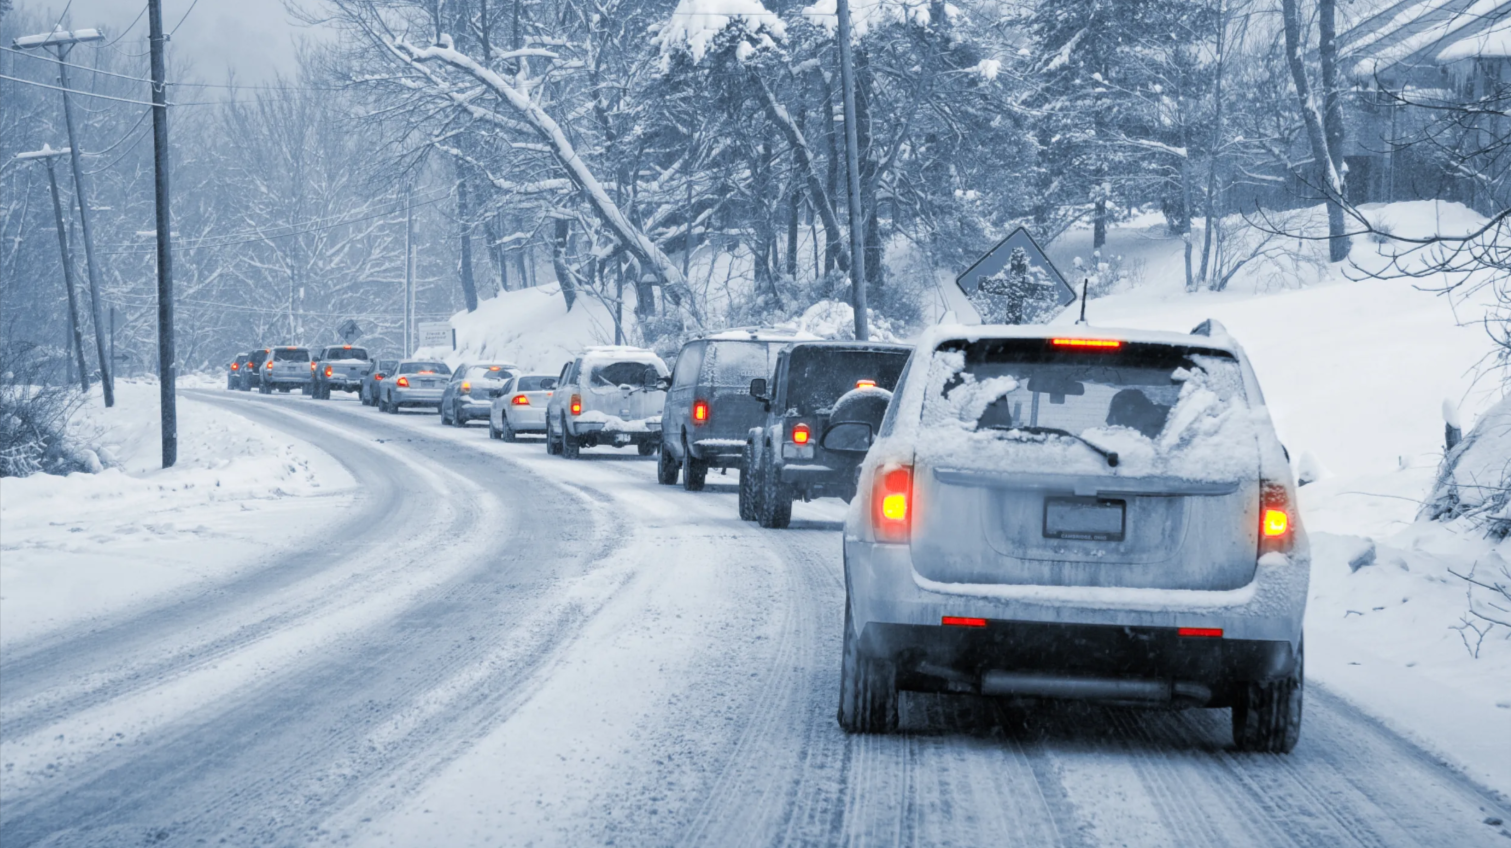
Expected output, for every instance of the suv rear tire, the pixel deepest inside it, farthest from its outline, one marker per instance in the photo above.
(867, 687)
(570, 447)
(1267, 716)
(667, 468)
(774, 505)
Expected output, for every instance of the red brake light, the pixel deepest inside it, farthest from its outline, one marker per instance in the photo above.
(377, 378)
(466, 387)
(402, 382)
(236, 366)
(892, 505)
(801, 434)
(700, 412)
(493, 368)
(1275, 531)
(1109, 344)
(576, 404)
(269, 366)
(865, 384)
(329, 371)
(1203, 632)
(346, 347)
(520, 400)
(960, 621)
(312, 366)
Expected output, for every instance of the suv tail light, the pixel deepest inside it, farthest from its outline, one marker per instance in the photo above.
(801, 434)
(329, 371)
(576, 404)
(700, 412)
(236, 366)
(892, 505)
(269, 366)
(865, 384)
(1276, 534)
(466, 388)
(402, 382)
(520, 400)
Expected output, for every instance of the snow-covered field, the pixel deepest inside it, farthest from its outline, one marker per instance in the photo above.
(87, 545)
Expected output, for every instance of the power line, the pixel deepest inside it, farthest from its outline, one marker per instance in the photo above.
(86, 93)
(45, 58)
(184, 18)
(112, 42)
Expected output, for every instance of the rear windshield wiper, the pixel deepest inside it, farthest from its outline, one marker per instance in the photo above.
(1110, 456)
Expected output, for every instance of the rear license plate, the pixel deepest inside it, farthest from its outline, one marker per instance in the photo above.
(1086, 519)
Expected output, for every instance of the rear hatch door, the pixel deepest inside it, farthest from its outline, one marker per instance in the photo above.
(1015, 477)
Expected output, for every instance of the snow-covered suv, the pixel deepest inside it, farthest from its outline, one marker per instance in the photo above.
(1095, 515)
(609, 395)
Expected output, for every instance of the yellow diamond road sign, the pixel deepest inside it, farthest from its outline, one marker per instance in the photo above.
(1040, 269)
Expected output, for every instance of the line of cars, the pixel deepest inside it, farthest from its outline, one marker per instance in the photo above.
(1092, 515)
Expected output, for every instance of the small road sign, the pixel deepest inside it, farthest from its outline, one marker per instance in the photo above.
(436, 334)
(992, 264)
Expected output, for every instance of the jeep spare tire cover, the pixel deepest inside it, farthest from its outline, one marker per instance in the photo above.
(866, 405)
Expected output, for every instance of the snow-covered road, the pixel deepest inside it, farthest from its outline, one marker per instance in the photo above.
(494, 646)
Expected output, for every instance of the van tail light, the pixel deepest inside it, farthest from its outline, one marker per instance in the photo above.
(1276, 534)
(892, 505)
(402, 382)
(329, 371)
(801, 434)
(700, 412)
(466, 388)
(576, 404)
(520, 400)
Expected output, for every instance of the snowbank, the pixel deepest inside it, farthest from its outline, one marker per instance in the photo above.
(86, 544)
(530, 328)
(1476, 475)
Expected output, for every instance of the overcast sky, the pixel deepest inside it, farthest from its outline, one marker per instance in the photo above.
(253, 38)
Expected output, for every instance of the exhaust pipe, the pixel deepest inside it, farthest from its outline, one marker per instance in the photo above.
(1092, 688)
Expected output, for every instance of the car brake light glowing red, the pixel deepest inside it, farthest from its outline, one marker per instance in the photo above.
(520, 400)
(402, 382)
(312, 366)
(1275, 531)
(801, 434)
(892, 505)
(961, 621)
(236, 366)
(576, 405)
(377, 378)
(269, 366)
(1276, 522)
(865, 384)
(346, 347)
(466, 387)
(1109, 344)
(493, 367)
(1201, 632)
(700, 412)
(329, 371)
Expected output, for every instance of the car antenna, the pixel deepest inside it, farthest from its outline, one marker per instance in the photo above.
(1084, 283)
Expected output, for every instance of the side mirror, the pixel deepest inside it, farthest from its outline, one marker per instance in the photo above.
(548, 384)
(848, 437)
(758, 389)
(661, 383)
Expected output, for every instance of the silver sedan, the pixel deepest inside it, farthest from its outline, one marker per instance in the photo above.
(521, 407)
(416, 382)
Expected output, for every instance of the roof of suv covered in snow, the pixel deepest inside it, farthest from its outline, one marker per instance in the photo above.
(620, 352)
(1209, 335)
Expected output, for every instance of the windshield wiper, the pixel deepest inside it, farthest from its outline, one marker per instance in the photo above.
(1110, 456)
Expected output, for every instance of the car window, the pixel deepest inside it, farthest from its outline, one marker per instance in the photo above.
(613, 374)
(284, 354)
(818, 375)
(1028, 387)
(689, 361)
(417, 367)
(889, 421)
(736, 363)
(534, 383)
(344, 353)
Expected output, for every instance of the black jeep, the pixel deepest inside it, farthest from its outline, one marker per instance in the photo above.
(785, 458)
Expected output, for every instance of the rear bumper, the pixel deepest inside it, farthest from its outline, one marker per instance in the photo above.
(884, 589)
(475, 408)
(617, 430)
(429, 397)
(1077, 661)
(719, 453)
(526, 420)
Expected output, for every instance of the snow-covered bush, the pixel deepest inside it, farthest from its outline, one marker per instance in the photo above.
(1474, 481)
(34, 414)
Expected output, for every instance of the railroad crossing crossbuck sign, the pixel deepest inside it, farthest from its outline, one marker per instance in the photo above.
(1015, 283)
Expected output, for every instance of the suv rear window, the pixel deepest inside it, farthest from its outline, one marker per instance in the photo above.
(737, 363)
(297, 354)
(818, 376)
(621, 374)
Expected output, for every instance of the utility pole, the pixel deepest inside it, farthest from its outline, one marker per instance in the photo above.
(166, 369)
(408, 271)
(852, 170)
(62, 42)
(76, 338)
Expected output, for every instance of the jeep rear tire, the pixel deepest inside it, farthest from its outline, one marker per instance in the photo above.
(1267, 715)
(774, 508)
(867, 687)
(747, 478)
(667, 468)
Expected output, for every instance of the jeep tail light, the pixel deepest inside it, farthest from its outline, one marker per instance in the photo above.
(865, 384)
(466, 387)
(801, 434)
(520, 400)
(329, 371)
(576, 404)
(700, 412)
(1275, 531)
(402, 382)
(892, 505)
